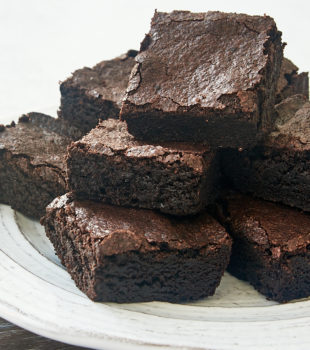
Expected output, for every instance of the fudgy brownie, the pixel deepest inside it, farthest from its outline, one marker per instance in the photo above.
(132, 255)
(204, 77)
(290, 82)
(270, 247)
(109, 165)
(96, 93)
(32, 162)
(278, 169)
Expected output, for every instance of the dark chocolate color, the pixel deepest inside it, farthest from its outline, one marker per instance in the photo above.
(290, 82)
(278, 169)
(96, 93)
(130, 255)
(271, 247)
(204, 77)
(109, 165)
(32, 164)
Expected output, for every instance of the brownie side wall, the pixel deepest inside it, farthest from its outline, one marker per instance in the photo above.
(68, 242)
(145, 183)
(174, 276)
(301, 84)
(280, 279)
(165, 275)
(226, 130)
(266, 90)
(276, 175)
(83, 110)
(27, 188)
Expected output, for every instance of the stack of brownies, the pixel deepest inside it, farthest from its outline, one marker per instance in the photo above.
(206, 108)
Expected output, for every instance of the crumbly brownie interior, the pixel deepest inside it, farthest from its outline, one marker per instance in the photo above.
(109, 165)
(84, 111)
(26, 187)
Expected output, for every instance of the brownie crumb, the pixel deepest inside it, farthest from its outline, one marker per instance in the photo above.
(13, 124)
(2, 127)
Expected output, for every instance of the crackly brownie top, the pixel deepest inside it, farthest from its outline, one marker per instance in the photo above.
(108, 79)
(121, 229)
(199, 59)
(293, 124)
(111, 137)
(39, 137)
(279, 228)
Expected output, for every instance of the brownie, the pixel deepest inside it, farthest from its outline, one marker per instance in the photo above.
(96, 93)
(117, 254)
(109, 165)
(32, 162)
(290, 82)
(270, 247)
(204, 77)
(278, 169)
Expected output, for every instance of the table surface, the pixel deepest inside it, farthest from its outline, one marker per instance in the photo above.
(16, 338)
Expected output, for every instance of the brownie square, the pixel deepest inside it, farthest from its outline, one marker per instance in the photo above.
(117, 254)
(32, 162)
(291, 82)
(277, 169)
(270, 247)
(204, 77)
(109, 165)
(96, 93)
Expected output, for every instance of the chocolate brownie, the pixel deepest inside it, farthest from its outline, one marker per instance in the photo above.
(290, 82)
(96, 93)
(109, 165)
(204, 77)
(278, 169)
(270, 247)
(131, 255)
(32, 164)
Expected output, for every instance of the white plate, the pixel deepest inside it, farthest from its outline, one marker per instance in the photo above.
(37, 293)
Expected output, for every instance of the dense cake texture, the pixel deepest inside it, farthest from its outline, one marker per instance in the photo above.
(270, 247)
(109, 165)
(291, 82)
(96, 93)
(278, 169)
(204, 77)
(129, 255)
(32, 164)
